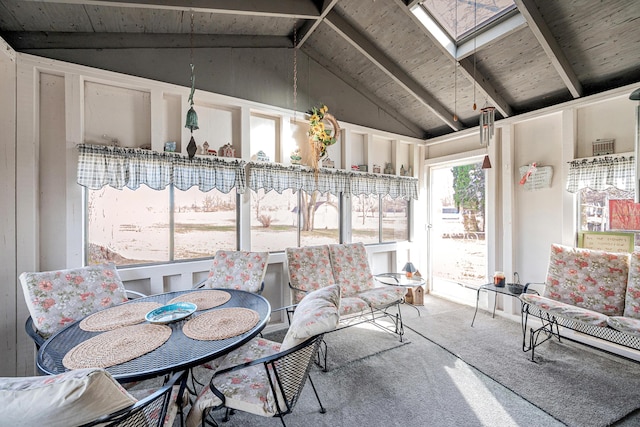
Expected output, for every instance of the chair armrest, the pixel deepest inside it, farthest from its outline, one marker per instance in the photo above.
(266, 359)
(527, 286)
(199, 285)
(298, 289)
(135, 294)
(165, 390)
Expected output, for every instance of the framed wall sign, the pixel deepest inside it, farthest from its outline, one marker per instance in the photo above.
(606, 241)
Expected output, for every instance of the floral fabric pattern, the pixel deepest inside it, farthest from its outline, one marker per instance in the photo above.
(562, 309)
(58, 298)
(238, 270)
(632, 297)
(245, 389)
(589, 279)
(350, 264)
(627, 325)
(317, 313)
(352, 305)
(383, 296)
(309, 269)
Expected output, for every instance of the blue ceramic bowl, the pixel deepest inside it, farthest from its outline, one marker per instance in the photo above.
(171, 312)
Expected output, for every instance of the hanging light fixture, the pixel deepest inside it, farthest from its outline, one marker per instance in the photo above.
(192, 117)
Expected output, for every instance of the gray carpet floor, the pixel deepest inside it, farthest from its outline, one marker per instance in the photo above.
(576, 384)
(446, 373)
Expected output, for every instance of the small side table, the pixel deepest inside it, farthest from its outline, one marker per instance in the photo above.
(490, 287)
(411, 283)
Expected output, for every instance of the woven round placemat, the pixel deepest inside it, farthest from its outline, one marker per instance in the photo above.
(204, 300)
(117, 346)
(221, 324)
(118, 316)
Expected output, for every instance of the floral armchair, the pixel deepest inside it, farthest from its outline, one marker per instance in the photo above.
(58, 298)
(238, 270)
(264, 377)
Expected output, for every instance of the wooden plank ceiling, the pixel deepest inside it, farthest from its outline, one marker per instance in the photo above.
(552, 52)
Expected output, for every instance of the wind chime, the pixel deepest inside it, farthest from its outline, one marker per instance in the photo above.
(192, 117)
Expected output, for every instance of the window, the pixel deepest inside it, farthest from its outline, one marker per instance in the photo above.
(130, 227)
(460, 18)
(605, 190)
(274, 220)
(147, 207)
(608, 210)
(395, 219)
(319, 219)
(365, 218)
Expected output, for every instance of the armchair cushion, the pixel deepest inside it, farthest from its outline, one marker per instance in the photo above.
(628, 325)
(57, 298)
(238, 270)
(309, 269)
(589, 279)
(350, 265)
(246, 389)
(70, 399)
(562, 309)
(318, 312)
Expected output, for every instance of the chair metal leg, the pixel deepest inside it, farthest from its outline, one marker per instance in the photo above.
(322, 409)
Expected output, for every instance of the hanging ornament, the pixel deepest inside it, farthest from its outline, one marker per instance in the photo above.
(487, 124)
(192, 117)
(192, 147)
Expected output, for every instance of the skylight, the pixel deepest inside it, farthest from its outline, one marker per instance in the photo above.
(470, 16)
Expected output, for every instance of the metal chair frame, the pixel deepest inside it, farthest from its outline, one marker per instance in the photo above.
(289, 372)
(532, 338)
(158, 402)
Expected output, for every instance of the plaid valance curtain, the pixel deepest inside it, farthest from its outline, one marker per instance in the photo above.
(118, 167)
(602, 173)
(270, 176)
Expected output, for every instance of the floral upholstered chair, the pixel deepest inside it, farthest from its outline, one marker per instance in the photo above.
(58, 298)
(350, 264)
(309, 269)
(264, 377)
(238, 270)
(87, 397)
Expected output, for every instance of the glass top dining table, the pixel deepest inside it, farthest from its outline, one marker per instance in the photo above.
(178, 353)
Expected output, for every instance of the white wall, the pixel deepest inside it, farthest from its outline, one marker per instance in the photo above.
(9, 293)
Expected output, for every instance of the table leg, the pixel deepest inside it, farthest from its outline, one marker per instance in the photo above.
(476, 312)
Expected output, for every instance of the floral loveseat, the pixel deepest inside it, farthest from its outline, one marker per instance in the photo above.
(593, 292)
(315, 267)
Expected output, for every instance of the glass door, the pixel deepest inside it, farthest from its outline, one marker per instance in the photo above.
(457, 244)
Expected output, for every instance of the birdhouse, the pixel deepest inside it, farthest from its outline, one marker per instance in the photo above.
(408, 298)
(418, 295)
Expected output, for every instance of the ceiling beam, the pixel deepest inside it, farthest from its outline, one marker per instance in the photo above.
(486, 88)
(310, 26)
(388, 66)
(357, 86)
(302, 9)
(23, 40)
(550, 45)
